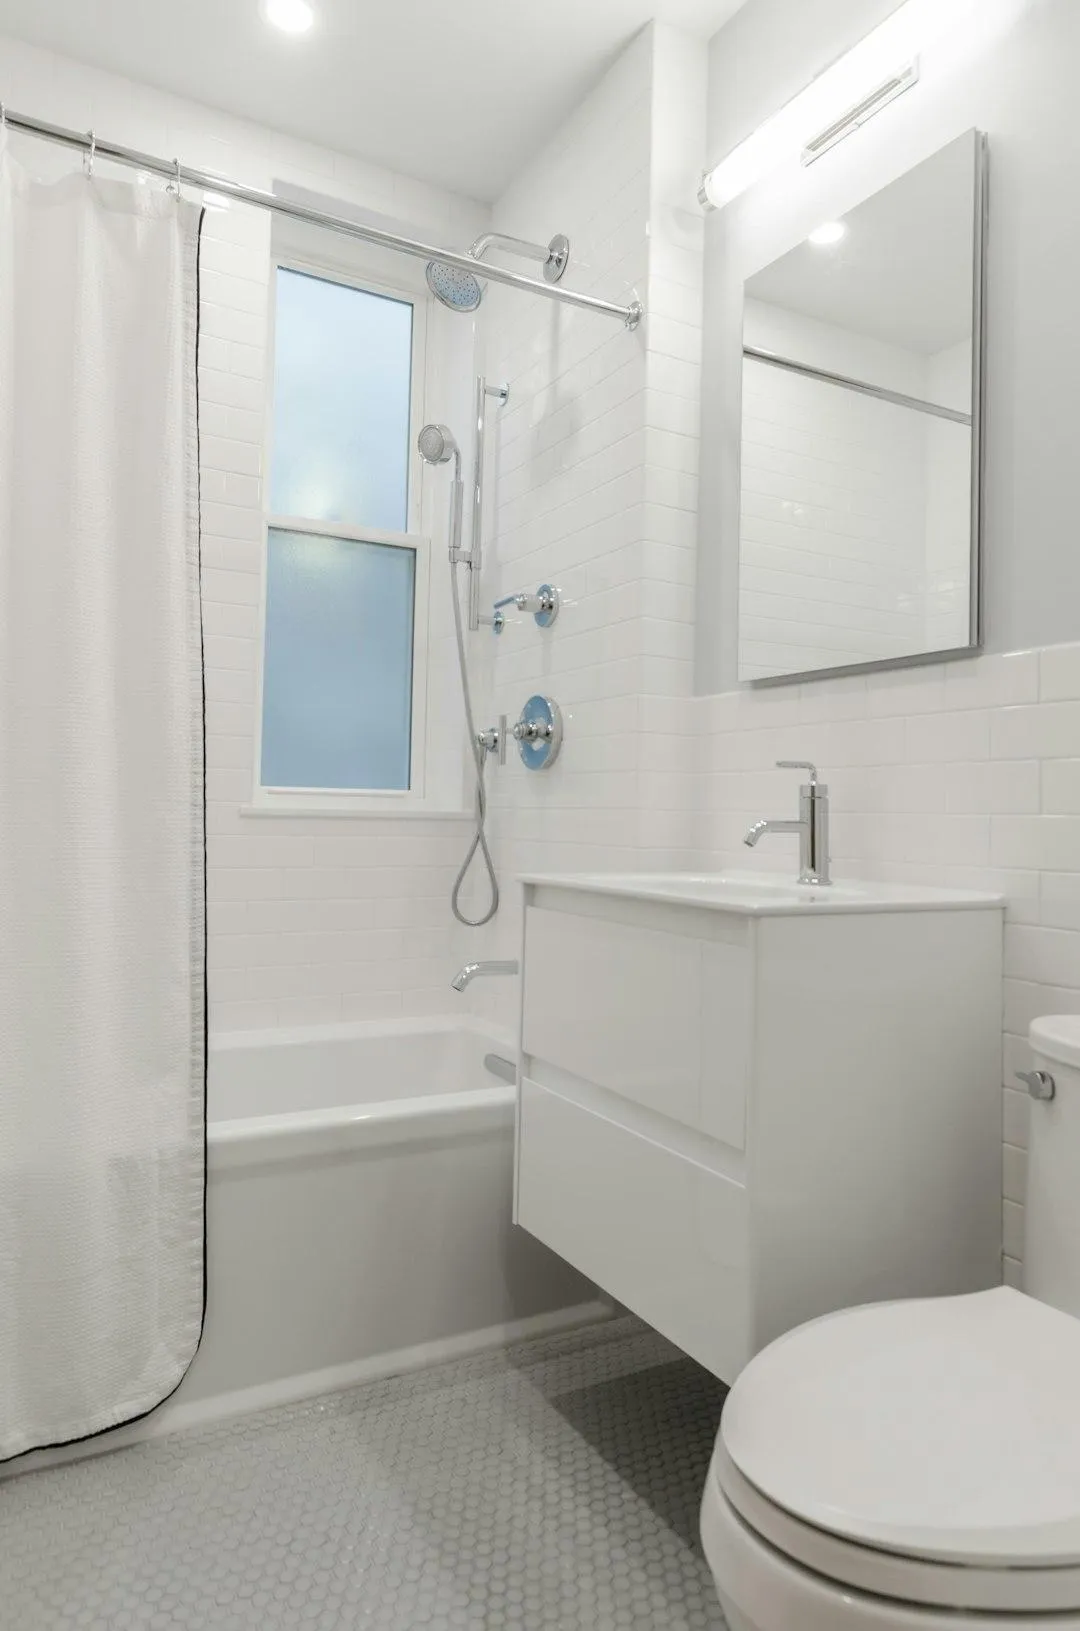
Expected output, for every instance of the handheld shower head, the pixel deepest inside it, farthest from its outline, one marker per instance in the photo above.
(436, 445)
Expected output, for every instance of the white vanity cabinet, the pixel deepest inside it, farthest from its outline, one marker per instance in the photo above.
(743, 1104)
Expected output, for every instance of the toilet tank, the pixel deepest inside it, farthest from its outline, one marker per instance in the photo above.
(1052, 1213)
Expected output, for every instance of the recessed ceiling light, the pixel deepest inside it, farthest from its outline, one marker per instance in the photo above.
(829, 232)
(291, 16)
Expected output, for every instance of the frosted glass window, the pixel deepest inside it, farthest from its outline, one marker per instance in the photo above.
(342, 378)
(337, 676)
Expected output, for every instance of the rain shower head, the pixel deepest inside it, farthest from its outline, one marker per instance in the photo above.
(436, 444)
(458, 290)
(461, 291)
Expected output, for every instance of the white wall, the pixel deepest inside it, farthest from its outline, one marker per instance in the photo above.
(310, 920)
(1012, 77)
(595, 479)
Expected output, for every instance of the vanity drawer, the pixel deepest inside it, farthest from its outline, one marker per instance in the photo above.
(661, 1018)
(664, 1234)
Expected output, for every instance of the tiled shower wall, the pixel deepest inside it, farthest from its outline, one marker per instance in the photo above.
(594, 479)
(310, 920)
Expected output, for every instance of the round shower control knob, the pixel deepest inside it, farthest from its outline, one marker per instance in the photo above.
(539, 733)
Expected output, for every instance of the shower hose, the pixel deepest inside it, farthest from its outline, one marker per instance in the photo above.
(479, 843)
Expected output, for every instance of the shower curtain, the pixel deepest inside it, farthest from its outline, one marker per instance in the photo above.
(102, 938)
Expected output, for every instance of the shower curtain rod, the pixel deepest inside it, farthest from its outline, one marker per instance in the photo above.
(184, 175)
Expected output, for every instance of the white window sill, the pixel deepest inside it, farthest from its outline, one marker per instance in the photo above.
(392, 812)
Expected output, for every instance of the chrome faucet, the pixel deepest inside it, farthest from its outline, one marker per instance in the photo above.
(812, 825)
(465, 976)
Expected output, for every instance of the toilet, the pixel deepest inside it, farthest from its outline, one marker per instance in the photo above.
(915, 1465)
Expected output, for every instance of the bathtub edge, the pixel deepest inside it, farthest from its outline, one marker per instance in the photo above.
(224, 1407)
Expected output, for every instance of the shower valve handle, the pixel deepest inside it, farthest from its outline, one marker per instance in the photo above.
(493, 740)
(535, 603)
(533, 730)
(543, 606)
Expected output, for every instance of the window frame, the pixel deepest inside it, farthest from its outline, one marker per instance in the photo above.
(389, 801)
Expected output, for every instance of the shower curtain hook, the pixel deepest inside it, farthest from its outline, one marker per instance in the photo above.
(91, 155)
(174, 184)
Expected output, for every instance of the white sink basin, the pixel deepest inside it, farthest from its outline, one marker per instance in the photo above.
(763, 894)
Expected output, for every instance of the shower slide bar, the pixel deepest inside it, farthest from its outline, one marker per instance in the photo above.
(183, 175)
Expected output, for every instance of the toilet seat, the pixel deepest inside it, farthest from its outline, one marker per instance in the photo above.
(761, 1589)
(947, 1429)
(886, 1574)
(926, 1452)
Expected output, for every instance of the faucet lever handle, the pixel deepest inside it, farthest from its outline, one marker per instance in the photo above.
(799, 764)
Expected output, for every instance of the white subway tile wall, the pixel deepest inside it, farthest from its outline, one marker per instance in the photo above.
(594, 482)
(310, 920)
(963, 773)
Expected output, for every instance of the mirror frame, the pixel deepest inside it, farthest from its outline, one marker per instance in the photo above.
(980, 204)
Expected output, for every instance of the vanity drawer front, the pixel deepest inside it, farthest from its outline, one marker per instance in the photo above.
(661, 1018)
(658, 1231)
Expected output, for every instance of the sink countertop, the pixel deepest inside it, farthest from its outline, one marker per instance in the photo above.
(766, 894)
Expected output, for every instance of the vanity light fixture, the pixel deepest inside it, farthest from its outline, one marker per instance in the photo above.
(291, 16)
(829, 232)
(855, 117)
(842, 98)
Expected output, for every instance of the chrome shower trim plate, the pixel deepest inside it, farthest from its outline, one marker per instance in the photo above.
(539, 733)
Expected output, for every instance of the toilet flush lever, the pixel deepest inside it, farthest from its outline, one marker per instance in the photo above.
(1039, 1083)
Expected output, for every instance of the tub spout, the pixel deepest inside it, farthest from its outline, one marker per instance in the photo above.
(465, 976)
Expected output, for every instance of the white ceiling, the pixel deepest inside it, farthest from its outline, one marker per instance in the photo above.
(456, 92)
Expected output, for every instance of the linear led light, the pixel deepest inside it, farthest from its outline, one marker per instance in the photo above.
(850, 121)
(842, 98)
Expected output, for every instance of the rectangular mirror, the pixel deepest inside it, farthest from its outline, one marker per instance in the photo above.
(861, 462)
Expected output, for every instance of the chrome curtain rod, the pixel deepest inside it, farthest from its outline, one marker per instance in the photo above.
(258, 198)
(808, 371)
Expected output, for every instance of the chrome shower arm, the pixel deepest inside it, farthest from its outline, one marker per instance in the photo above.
(553, 257)
(521, 247)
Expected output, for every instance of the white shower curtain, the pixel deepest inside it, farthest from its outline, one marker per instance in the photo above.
(102, 941)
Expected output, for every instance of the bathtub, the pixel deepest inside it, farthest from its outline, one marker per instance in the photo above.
(358, 1219)
(359, 1213)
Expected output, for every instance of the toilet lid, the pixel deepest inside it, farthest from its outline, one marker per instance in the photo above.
(946, 1429)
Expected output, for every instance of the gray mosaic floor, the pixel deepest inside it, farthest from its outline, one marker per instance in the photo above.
(552, 1487)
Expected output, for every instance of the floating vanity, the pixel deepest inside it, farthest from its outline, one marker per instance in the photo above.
(745, 1102)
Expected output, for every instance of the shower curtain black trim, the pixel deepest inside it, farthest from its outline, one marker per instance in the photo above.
(131, 1421)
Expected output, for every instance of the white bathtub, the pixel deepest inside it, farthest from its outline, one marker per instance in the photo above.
(358, 1212)
(358, 1218)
